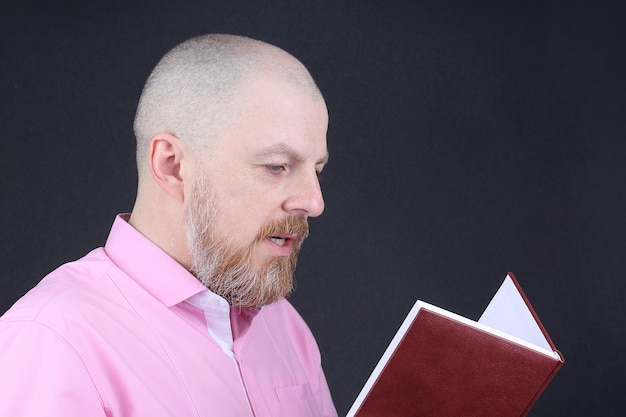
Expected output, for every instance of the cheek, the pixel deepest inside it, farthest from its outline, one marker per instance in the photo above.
(244, 206)
(241, 217)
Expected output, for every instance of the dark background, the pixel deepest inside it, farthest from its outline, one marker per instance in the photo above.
(467, 139)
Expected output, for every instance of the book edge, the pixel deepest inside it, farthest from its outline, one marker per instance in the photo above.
(384, 359)
(533, 313)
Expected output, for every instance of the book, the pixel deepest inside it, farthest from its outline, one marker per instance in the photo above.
(440, 364)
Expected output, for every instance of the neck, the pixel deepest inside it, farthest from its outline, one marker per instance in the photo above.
(163, 226)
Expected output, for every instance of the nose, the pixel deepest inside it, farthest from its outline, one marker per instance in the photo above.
(305, 197)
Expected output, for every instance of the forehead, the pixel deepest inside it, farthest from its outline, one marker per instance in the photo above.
(274, 116)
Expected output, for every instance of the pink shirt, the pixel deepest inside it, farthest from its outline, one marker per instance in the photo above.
(127, 331)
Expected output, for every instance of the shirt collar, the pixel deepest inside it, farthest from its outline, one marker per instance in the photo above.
(152, 268)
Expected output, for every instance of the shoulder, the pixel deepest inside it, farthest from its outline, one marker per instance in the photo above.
(62, 288)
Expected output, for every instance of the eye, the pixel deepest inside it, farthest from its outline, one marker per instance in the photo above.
(276, 168)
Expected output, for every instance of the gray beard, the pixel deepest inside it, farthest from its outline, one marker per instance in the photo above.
(226, 268)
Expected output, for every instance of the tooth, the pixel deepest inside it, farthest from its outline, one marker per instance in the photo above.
(278, 240)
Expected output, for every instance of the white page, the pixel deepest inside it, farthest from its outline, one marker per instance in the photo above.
(508, 313)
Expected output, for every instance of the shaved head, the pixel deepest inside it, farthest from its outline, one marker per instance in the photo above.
(195, 91)
(231, 137)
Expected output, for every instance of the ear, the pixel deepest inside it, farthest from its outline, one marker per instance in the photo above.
(166, 159)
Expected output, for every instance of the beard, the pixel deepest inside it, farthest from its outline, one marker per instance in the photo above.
(226, 268)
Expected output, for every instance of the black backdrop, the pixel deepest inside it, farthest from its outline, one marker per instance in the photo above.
(467, 139)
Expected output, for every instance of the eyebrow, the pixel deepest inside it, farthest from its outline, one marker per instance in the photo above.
(284, 149)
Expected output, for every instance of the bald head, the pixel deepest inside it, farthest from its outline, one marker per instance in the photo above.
(196, 90)
(246, 117)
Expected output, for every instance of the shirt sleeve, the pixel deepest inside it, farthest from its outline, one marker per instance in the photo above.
(42, 375)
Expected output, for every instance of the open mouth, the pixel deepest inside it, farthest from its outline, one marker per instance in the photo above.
(280, 241)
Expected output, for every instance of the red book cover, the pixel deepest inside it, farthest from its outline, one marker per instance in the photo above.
(441, 364)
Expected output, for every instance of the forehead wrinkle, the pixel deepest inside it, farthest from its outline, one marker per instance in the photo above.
(286, 150)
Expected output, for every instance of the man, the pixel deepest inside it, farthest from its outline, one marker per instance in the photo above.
(182, 312)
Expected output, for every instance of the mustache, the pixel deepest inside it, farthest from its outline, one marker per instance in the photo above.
(295, 226)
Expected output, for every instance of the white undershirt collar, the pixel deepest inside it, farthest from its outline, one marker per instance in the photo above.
(217, 314)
